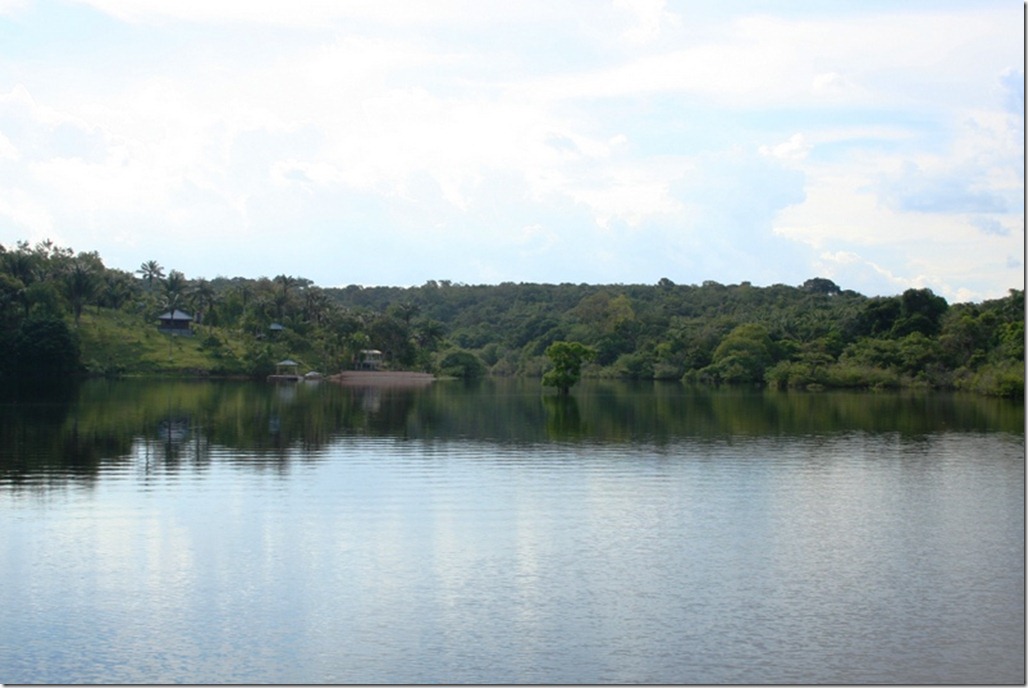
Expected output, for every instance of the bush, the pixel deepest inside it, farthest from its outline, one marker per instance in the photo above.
(45, 347)
(860, 377)
(635, 366)
(462, 364)
(743, 355)
(1004, 379)
(792, 375)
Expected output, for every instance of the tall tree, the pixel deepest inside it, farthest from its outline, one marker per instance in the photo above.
(150, 270)
(174, 288)
(203, 297)
(281, 299)
(81, 282)
(567, 359)
(743, 354)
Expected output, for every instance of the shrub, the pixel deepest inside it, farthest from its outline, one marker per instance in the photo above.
(463, 364)
(45, 347)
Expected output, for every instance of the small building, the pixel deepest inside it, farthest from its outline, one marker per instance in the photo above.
(369, 359)
(286, 371)
(287, 367)
(175, 322)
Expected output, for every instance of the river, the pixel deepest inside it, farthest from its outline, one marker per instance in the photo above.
(224, 532)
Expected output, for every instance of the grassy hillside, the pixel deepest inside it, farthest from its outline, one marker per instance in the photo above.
(115, 343)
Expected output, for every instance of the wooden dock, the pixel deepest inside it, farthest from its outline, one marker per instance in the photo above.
(382, 378)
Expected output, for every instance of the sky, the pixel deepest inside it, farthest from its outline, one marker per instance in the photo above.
(876, 143)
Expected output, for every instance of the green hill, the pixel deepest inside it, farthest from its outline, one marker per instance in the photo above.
(64, 313)
(115, 343)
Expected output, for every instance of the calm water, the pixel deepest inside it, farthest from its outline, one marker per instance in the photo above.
(226, 533)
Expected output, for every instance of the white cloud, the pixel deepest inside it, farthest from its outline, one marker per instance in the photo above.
(435, 118)
(840, 257)
(12, 6)
(319, 15)
(940, 249)
(18, 102)
(763, 60)
(649, 19)
(990, 225)
(303, 13)
(629, 196)
(536, 240)
(866, 275)
(7, 149)
(27, 213)
(796, 148)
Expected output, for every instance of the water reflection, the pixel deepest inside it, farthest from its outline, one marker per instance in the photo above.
(563, 420)
(172, 424)
(493, 533)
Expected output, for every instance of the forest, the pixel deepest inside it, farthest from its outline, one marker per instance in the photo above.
(65, 314)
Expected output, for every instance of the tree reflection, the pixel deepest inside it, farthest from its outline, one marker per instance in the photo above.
(175, 424)
(563, 421)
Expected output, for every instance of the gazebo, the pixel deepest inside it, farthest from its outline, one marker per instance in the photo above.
(287, 367)
(370, 359)
(286, 371)
(175, 322)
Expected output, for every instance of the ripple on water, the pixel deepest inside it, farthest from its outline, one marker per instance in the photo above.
(849, 558)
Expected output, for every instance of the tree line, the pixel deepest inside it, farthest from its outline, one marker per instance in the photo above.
(810, 336)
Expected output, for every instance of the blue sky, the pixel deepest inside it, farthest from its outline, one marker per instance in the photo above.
(876, 143)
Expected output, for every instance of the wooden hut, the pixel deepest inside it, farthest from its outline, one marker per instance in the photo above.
(369, 359)
(175, 322)
(286, 371)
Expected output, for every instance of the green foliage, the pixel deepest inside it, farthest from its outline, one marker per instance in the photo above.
(566, 359)
(261, 360)
(877, 317)
(45, 347)
(392, 336)
(637, 365)
(1005, 379)
(742, 356)
(820, 285)
(462, 364)
(808, 336)
(920, 311)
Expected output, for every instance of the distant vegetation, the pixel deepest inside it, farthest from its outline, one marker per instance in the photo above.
(65, 313)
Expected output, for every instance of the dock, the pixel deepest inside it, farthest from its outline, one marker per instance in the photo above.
(382, 378)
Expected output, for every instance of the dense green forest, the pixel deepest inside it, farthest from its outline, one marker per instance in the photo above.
(65, 313)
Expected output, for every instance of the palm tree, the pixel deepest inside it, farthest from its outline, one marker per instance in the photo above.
(282, 299)
(429, 332)
(203, 298)
(405, 311)
(118, 288)
(149, 271)
(286, 281)
(80, 283)
(22, 265)
(174, 286)
(315, 304)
